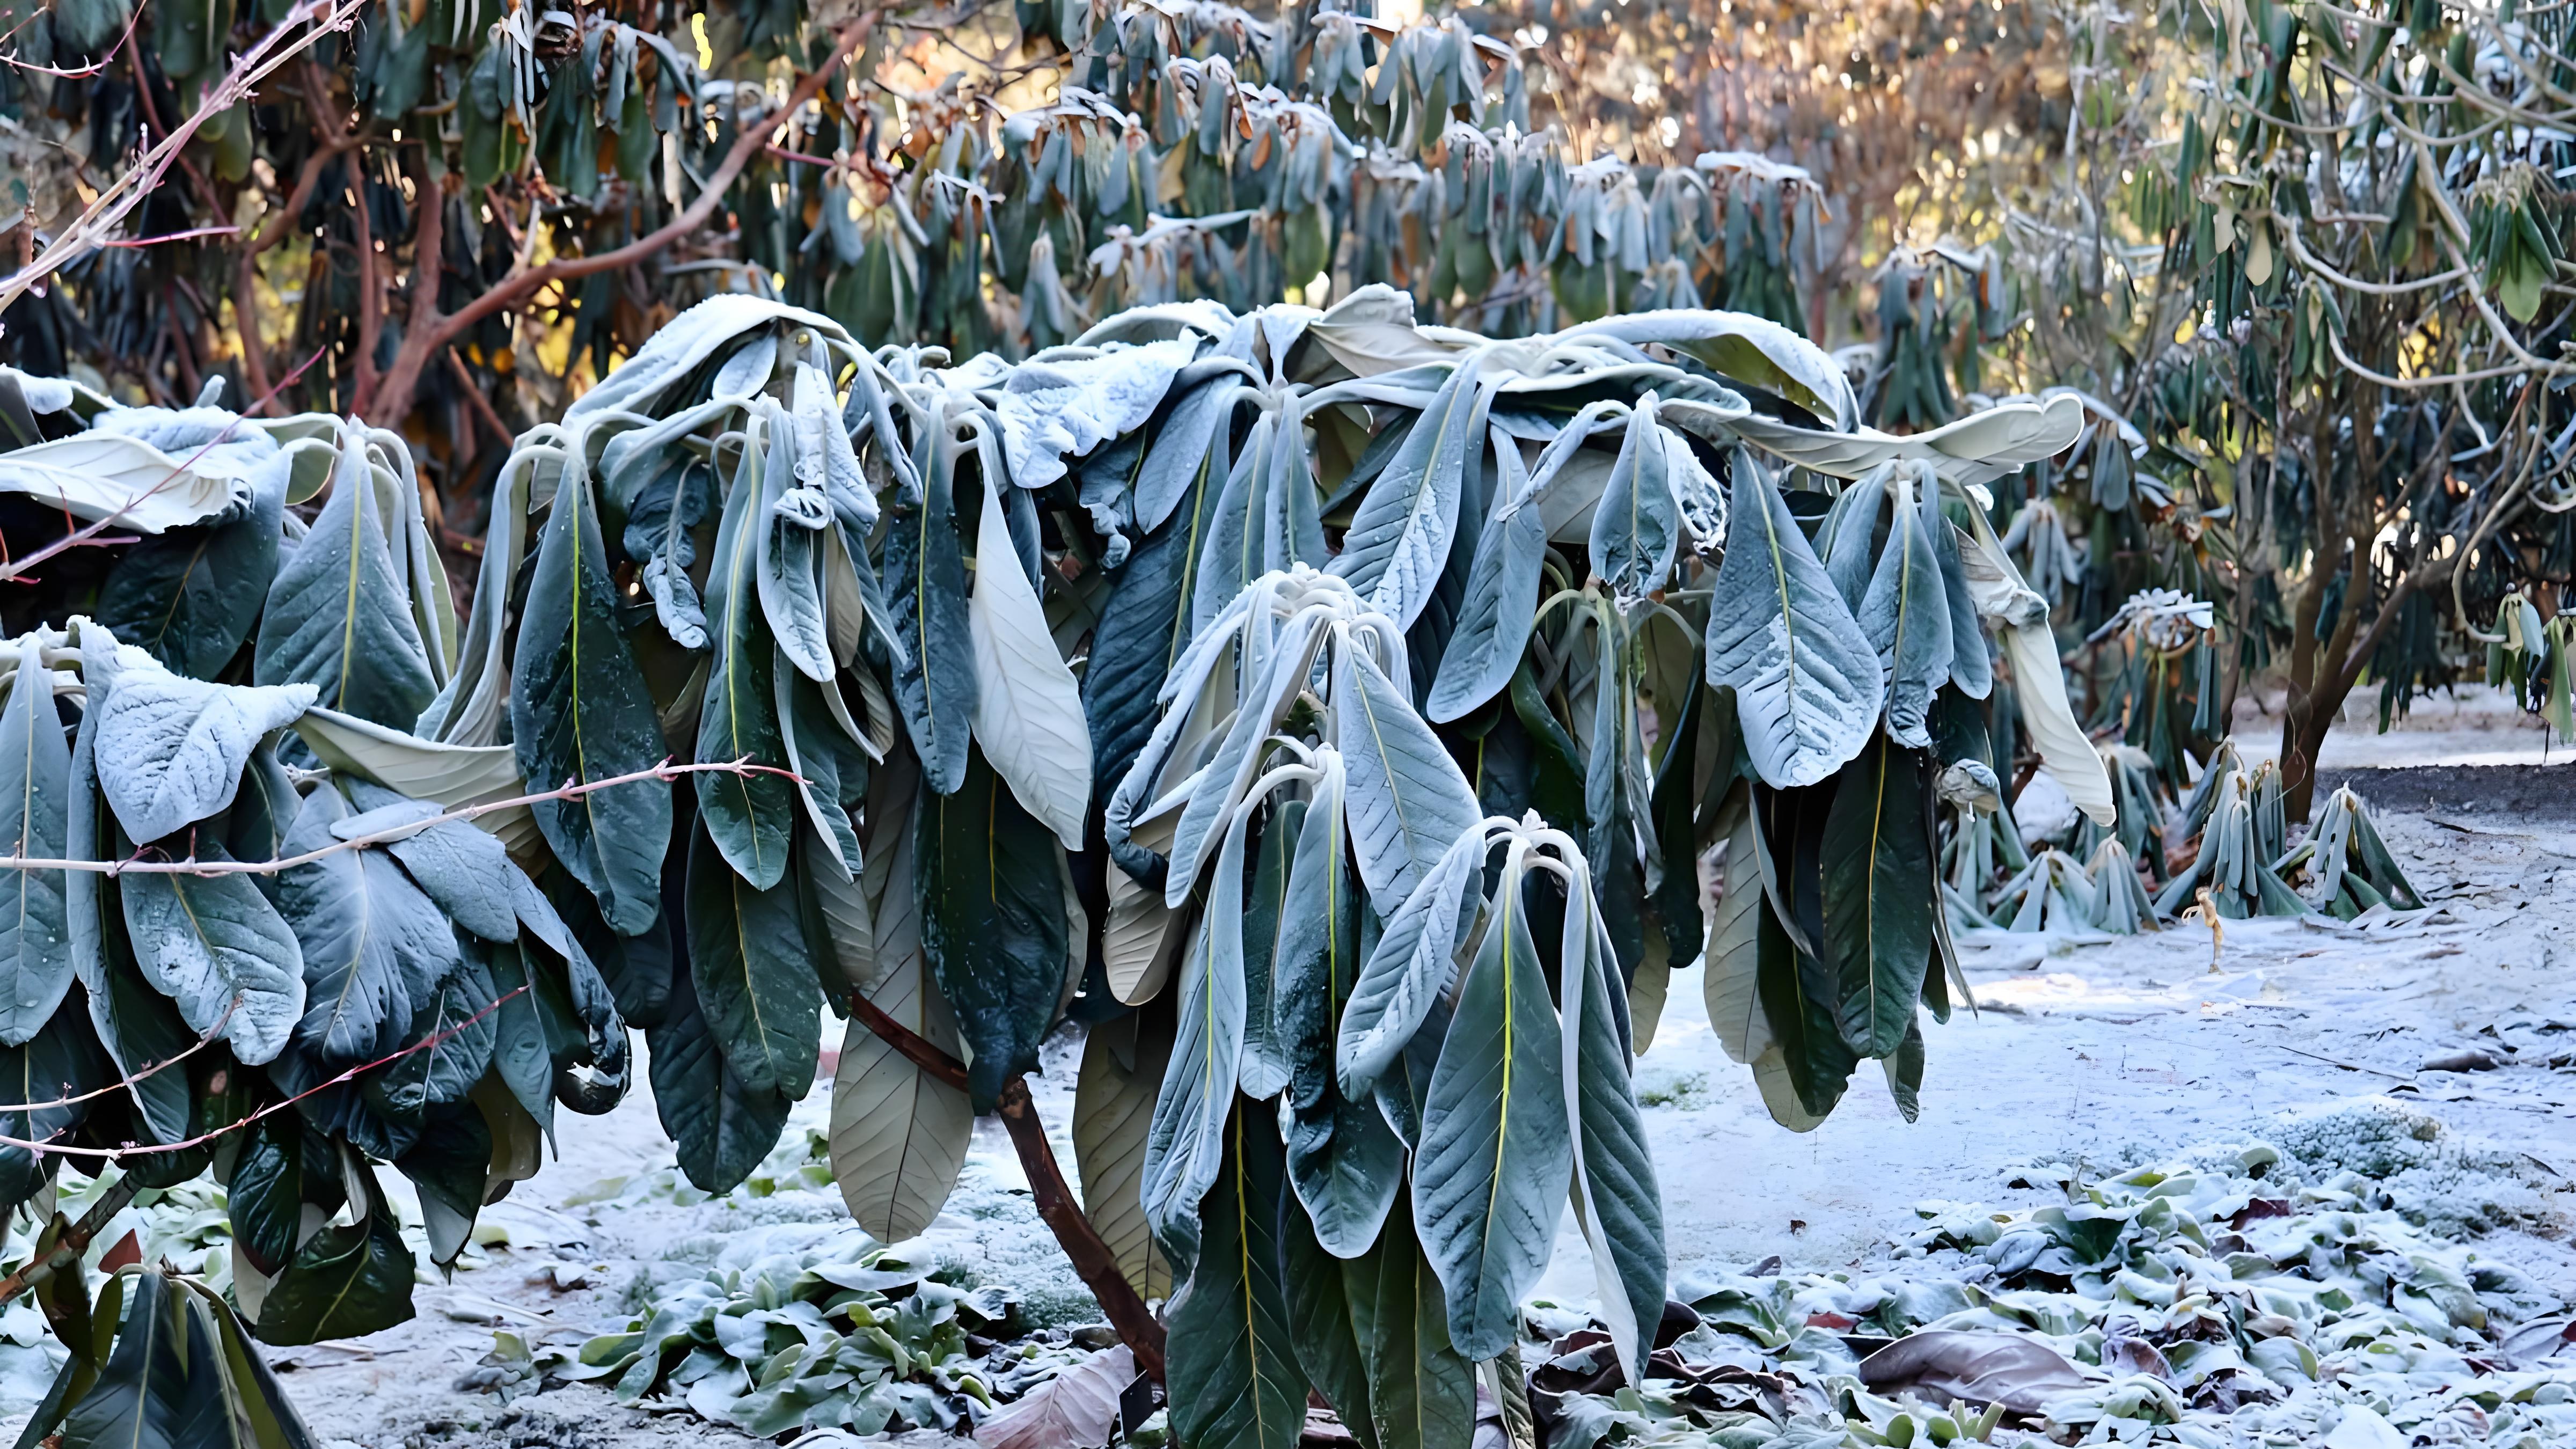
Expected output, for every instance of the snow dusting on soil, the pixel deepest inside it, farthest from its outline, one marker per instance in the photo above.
(2416, 1080)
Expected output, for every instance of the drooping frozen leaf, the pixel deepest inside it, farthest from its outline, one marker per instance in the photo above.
(1806, 680)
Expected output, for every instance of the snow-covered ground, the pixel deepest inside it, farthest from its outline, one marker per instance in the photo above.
(2105, 1055)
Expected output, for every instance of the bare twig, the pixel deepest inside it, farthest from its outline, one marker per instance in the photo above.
(302, 26)
(90, 533)
(132, 1149)
(665, 771)
(76, 1238)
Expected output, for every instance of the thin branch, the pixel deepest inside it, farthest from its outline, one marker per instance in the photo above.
(191, 234)
(2334, 342)
(1082, 1244)
(909, 1044)
(481, 405)
(665, 771)
(420, 343)
(103, 216)
(132, 1149)
(76, 1238)
(150, 1070)
(90, 533)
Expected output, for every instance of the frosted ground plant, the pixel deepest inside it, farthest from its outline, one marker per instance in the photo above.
(1179, 681)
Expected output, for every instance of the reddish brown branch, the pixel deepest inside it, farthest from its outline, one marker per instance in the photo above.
(254, 348)
(132, 1149)
(391, 398)
(480, 405)
(76, 1238)
(1136, 1326)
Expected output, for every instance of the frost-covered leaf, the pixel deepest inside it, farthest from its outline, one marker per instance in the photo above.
(1490, 1177)
(171, 749)
(1637, 524)
(1806, 680)
(35, 813)
(1409, 802)
(1399, 541)
(1746, 349)
(99, 475)
(222, 953)
(1051, 411)
(1905, 612)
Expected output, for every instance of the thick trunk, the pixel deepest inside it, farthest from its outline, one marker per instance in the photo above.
(2302, 737)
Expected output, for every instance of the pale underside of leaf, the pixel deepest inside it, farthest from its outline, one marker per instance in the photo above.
(1028, 707)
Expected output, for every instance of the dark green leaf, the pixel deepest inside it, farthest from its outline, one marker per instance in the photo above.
(154, 1385)
(61, 1061)
(1422, 1392)
(1801, 1019)
(637, 969)
(448, 1168)
(339, 617)
(256, 1398)
(1234, 1378)
(1971, 667)
(824, 756)
(1185, 1138)
(191, 595)
(1177, 461)
(580, 711)
(1675, 800)
(266, 1193)
(723, 1129)
(992, 923)
(519, 1051)
(789, 523)
(455, 1027)
(934, 683)
(1142, 631)
(1320, 1329)
(139, 1026)
(467, 872)
(348, 1279)
(1905, 1072)
(374, 946)
(751, 977)
(1880, 893)
(263, 810)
